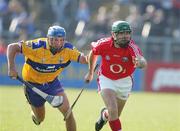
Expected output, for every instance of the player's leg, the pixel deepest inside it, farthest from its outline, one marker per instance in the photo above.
(123, 89)
(55, 88)
(37, 105)
(102, 120)
(110, 100)
(105, 115)
(108, 94)
(121, 104)
(123, 92)
(70, 122)
(38, 114)
(114, 94)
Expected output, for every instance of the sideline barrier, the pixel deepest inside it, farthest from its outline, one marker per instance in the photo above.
(163, 77)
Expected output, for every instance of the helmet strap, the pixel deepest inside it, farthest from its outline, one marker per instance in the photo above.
(55, 50)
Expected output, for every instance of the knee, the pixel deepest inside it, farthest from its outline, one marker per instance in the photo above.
(64, 108)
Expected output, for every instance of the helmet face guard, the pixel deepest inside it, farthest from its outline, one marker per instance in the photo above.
(55, 32)
(118, 28)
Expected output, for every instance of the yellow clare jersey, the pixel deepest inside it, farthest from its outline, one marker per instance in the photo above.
(41, 66)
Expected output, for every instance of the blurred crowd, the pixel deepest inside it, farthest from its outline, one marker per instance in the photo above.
(86, 20)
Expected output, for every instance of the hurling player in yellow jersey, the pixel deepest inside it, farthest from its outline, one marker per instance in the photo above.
(45, 59)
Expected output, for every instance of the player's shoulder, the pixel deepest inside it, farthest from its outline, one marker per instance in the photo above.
(68, 45)
(102, 42)
(105, 40)
(132, 41)
(37, 43)
(133, 47)
(132, 44)
(38, 40)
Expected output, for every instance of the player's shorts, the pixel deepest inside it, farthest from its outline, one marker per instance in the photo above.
(122, 87)
(51, 88)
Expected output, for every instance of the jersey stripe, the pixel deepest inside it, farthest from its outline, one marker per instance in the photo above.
(46, 68)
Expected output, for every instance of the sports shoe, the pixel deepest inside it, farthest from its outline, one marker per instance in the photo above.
(101, 122)
(35, 119)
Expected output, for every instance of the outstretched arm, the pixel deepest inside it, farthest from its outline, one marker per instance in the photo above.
(12, 50)
(92, 59)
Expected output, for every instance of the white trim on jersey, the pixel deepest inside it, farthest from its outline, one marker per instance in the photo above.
(135, 48)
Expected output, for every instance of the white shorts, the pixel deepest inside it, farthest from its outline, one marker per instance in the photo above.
(122, 87)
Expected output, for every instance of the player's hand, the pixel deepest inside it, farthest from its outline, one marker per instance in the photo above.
(135, 61)
(139, 62)
(12, 73)
(88, 77)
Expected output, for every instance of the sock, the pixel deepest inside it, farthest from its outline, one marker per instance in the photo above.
(115, 125)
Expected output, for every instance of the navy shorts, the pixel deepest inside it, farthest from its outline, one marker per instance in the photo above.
(51, 88)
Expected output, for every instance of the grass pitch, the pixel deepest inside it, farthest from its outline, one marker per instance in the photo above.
(143, 112)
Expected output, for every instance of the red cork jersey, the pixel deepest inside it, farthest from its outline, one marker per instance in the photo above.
(116, 63)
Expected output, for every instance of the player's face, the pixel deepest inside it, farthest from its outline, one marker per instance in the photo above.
(56, 42)
(122, 38)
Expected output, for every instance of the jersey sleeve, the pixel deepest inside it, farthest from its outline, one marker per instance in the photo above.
(74, 54)
(135, 50)
(96, 47)
(28, 47)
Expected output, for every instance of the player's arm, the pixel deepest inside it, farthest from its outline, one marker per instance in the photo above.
(76, 55)
(92, 59)
(12, 50)
(137, 56)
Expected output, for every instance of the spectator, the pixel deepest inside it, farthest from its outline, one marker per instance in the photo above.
(158, 24)
(83, 13)
(2, 46)
(135, 20)
(3, 12)
(176, 5)
(82, 17)
(167, 6)
(21, 25)
(149, 13)
(100, 25)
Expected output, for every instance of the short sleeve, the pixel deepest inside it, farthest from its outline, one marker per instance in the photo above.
(135, 50)
(74, 54)
(96, 48)
(26, 47)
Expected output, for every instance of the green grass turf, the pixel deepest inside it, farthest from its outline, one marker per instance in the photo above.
(143, 112)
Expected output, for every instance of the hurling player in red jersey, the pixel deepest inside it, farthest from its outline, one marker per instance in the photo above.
(120, 56)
